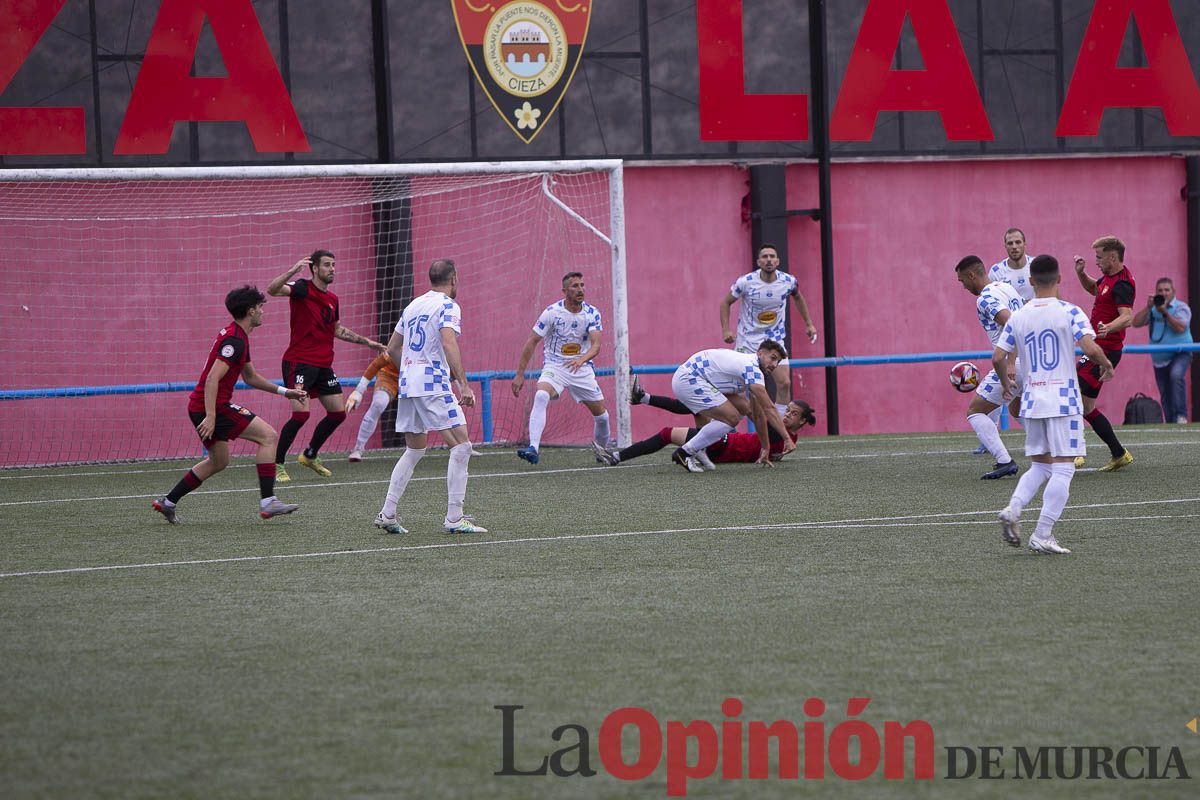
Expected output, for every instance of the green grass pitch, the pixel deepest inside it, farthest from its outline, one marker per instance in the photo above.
(312, 656)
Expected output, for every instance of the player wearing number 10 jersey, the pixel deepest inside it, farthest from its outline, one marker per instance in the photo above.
(1043, 335)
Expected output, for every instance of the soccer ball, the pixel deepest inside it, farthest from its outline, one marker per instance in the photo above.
(964, 376)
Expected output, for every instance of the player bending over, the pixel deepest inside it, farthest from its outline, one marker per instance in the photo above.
(723, 387)
(734, 448)
(995, 301)
(218, 421)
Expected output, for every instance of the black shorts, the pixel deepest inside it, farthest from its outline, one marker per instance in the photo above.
(316, 381)
(231, 421)
(1089, 373)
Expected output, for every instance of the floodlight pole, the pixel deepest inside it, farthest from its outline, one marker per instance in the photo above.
(818, 54)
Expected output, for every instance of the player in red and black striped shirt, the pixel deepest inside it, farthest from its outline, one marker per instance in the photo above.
(1111, 314)
(218, 421)
(308, 360)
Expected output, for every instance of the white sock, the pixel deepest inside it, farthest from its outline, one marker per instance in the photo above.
(1028, 486)
(989, 437)
(379, 403)
(709, 434)
(994, 415)
(1054, 499)
(456, 481)
(600, 429)
(537, 418)
(781, 408)
(401, 474)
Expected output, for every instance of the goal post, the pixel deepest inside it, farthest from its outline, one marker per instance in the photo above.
(117, 278)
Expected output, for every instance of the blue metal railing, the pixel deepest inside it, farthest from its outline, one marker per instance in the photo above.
(485, 379)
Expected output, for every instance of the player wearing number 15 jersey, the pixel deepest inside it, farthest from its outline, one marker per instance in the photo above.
(1043, 334)
(424, 347)
(569, 331)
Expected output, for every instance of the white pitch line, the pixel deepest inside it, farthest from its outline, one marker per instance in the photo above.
(387, 455)
(476, 477)
(803, 442)
(879, 522)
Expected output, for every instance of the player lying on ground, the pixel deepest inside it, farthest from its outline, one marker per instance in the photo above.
(218, 421)
(734, 448)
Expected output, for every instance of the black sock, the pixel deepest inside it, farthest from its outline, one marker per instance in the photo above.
(1104, 430)
(324, 429)
(668, 404)
(643, 448)
(187, 484)
(287, 435)
(266, 480)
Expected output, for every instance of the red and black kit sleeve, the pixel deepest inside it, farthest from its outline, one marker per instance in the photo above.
(1122, 293)
(299, 289)
(231, 349)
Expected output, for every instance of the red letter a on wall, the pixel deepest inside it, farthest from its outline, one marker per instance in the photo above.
(945, 85)
(727, 113)
(1166, 82)
(253, 93)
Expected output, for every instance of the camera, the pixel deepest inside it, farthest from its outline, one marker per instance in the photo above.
(1159, 300)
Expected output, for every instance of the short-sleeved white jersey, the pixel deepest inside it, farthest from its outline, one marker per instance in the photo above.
(994, 298)
(423, 369)
(1043, 333)
(1016, 278)
(566, 334)
(763, 313)
(729, 371)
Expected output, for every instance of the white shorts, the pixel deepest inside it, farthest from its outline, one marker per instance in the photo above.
(434, 412)
(695, 393)
(1054, 436)
(991, 390)
(581, 383)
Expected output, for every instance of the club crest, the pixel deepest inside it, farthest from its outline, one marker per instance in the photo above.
(523, 54)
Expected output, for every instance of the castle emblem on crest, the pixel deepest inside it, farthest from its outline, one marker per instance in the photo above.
(523, 54)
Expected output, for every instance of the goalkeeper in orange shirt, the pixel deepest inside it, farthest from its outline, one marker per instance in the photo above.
(383, 370)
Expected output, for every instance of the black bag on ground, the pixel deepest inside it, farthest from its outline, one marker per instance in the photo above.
(1142, 410)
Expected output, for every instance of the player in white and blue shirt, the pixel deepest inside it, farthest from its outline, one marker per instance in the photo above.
(1043, 334)
(724, 386)
(1014, 270)
(994, 303)
(424, 347)
(569, 331)
(764, 296)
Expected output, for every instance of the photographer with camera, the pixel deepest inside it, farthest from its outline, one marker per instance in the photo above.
(1170, 321)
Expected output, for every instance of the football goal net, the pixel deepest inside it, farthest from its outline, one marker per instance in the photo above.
(115, 283)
